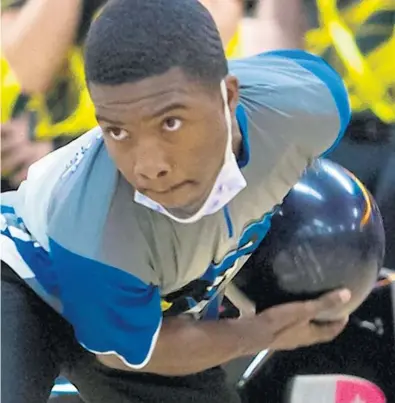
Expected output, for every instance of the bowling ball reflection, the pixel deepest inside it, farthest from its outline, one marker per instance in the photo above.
(328, 233)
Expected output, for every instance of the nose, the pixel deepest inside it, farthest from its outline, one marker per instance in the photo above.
(151, 165)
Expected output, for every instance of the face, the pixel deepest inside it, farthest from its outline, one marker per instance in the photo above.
(167, 135)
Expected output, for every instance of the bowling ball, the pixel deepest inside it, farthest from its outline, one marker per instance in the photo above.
(328, 233)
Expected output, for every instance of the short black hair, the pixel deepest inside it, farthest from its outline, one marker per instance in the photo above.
(136, 39)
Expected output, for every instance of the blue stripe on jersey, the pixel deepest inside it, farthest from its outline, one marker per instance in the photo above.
(332, 80)
(34, 255)
(241, 117)
(212, 311)
(110, 310)
(7, 209)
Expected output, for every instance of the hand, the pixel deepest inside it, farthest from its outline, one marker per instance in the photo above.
(290, 326)
(18, 152)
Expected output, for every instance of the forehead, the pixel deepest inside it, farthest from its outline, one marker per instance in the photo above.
(150, 94)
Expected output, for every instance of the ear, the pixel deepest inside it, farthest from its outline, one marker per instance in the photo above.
(232, 86)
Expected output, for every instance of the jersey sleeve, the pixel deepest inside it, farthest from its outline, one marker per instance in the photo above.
(111, 311)
(295, 95)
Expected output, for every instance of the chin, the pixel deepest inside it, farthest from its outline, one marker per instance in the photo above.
(179, 199)
(184, 208)
(186, 205)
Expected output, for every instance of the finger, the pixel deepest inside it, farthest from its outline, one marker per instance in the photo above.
(331, 301)
(285, 315)
(325, 332)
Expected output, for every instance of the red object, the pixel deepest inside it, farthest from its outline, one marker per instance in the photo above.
(358, 391)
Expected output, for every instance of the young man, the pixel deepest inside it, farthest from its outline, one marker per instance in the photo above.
(118, 246)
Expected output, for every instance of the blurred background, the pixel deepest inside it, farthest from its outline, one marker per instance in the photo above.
(45, 104)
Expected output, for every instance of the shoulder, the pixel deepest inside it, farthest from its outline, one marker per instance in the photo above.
(294, 96)
(286, 67)
(290, 69)
(32, 199)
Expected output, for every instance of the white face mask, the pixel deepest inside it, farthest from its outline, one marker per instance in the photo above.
(230, 181)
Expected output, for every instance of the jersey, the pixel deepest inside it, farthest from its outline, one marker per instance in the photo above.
(113, 268)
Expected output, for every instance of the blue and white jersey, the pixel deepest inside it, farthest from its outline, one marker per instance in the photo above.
(114, 268)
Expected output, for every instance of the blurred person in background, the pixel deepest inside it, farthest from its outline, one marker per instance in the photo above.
(45, 103)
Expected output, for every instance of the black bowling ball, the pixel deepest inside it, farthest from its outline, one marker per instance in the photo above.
(327, 233)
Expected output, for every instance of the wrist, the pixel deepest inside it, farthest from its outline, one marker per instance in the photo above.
(255, 333)
(245, 336)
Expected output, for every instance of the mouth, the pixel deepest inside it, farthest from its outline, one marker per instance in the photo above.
(169, 190)
(182, 196)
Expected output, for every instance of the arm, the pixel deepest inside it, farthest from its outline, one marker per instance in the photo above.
(278, 24)
(185, 347)
(36, 38)
(209, 343)
(126, 329)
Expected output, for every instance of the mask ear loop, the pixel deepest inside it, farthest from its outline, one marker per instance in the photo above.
(228, 120)
(228, 151)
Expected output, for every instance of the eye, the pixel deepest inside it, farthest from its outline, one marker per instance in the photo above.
(117, 134)
(172, 124)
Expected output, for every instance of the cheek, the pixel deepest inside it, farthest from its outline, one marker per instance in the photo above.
(113, 151)
(122, 159)
(205, 154)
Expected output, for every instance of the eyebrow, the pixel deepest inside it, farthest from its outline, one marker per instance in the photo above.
(159, 112)
(168, 108)
(112, 121)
